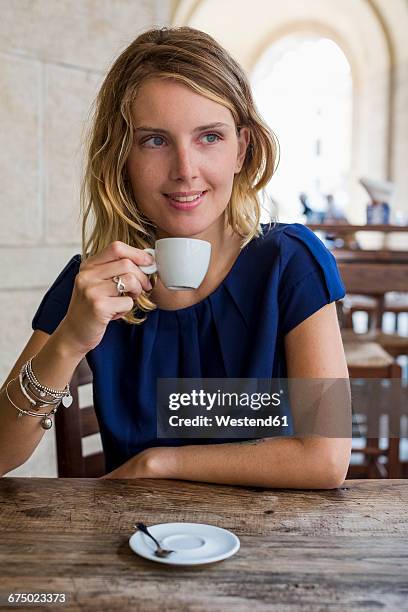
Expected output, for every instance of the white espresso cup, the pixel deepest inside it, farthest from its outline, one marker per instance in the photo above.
(181, 263)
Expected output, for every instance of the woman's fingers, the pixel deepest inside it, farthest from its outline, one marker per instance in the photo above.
(119, 250)
(133, 286)
(122, 268)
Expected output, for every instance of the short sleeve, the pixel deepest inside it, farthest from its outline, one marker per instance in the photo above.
(309, 277)
(55, 302)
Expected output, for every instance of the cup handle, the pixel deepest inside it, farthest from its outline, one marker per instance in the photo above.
(153, 267)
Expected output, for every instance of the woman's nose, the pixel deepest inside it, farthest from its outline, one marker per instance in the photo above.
(183, 164)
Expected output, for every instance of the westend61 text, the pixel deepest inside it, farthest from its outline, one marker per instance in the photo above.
(206, 400)
(227, 421)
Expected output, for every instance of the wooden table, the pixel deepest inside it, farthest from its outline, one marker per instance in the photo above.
(342, 549)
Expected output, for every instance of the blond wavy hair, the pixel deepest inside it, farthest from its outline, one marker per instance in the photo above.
(195, 59)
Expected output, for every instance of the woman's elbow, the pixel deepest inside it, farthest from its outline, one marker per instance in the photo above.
(331, 464)
(336, 471)
(334, 482)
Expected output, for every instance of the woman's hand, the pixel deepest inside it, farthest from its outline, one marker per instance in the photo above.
(95, 300)
(150, 463)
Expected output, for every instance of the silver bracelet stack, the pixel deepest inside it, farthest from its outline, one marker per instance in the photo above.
(39, 396)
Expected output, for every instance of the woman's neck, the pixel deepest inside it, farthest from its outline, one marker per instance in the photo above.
(225, 248)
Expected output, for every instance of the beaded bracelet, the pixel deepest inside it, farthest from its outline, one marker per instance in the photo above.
(42, 390)
(26, 389)
(36, 403)
(46, 421)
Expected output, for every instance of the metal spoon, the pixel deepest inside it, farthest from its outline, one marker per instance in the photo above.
(159, 552)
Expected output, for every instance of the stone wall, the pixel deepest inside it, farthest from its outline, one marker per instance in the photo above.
(53, 57)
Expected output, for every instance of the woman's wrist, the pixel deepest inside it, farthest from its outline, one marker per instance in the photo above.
(65, 345)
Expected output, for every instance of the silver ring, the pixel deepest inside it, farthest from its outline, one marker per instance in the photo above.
(120, 285)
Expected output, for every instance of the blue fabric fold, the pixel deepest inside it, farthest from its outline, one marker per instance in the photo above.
(322, 257)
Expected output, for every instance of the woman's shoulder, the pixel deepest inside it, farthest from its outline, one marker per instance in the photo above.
(289, 265)
(290, 233)
(298, 253)
(307, 273)
(293, 241)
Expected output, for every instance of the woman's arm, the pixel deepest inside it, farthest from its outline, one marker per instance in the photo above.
(313, 350)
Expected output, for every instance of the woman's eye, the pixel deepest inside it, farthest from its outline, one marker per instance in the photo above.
(213, 137)
(155, 142)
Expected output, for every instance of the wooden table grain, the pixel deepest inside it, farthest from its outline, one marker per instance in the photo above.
(340, 549)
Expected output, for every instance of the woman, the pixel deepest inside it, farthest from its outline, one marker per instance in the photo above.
(175, 120)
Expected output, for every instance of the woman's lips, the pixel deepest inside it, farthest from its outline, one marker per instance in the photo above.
(186, 205)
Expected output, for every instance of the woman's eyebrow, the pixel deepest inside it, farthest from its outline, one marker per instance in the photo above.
(200, 128)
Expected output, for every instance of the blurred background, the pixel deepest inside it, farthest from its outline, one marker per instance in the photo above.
(329, 76)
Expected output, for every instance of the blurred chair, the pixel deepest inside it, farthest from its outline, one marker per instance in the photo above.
(371, 355)
(397, 303)
(72, 425)
(376, 280)
(352, 303)
(369, 360)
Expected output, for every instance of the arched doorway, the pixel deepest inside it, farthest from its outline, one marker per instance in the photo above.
(303, 88)
(358, 28)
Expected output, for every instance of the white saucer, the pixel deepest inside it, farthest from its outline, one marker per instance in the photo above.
(193, 543)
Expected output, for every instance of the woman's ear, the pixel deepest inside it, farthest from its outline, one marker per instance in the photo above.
(244, 136)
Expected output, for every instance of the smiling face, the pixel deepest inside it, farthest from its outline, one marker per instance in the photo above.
(184, 145)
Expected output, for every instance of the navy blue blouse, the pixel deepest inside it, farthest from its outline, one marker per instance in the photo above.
(278, 280)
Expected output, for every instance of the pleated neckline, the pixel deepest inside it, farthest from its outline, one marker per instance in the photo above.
(214, 292)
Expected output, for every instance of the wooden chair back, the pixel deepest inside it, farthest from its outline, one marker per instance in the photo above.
(367, 256)
(374, 278)
(372, 467)
(71, 426)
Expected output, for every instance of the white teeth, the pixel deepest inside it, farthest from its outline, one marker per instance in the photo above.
(186, 198)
